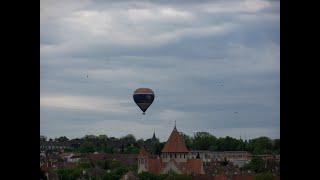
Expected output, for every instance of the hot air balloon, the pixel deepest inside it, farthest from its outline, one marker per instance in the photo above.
(143, 97)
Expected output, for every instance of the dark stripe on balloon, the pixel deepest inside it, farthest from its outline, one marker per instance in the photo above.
(143, 98)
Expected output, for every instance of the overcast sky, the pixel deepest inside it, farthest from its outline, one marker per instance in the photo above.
(214, 66)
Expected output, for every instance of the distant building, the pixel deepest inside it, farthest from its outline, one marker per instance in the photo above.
(206, 156)
(174, 157)
(70, 156)
(51, 145)
(238, 157)
(268, 157)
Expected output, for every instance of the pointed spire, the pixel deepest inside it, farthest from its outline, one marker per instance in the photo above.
(154, 134)
(175, 128)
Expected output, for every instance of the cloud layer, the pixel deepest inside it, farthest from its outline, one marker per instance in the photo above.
(214, 66)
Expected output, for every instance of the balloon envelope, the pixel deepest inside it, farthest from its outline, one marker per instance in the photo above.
(143, 97)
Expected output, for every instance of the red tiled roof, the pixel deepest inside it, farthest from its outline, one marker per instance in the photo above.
(194, 166)
(143, 152)
(175, 143)
(221, 177)
(155, 165)
(128, 159)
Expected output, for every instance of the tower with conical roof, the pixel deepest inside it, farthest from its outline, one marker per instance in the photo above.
(175, 148)
(174, 157)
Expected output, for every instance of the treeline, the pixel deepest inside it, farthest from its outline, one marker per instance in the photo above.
(207, 141)
(199, 141)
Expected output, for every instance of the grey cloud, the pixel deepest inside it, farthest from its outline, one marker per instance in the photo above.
(201, 74)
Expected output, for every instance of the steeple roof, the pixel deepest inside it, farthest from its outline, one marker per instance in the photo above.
(175, 143)
(143, 152)
(154, 135)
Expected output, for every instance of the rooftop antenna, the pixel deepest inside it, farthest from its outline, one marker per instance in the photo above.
(245, 136)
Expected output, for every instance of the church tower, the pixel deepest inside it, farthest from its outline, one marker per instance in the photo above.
(175, 148)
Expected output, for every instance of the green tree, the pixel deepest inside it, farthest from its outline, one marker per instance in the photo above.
(203, 140)
(103, 137)
(228, 144)
(108, 149)
(87, 147)
(131, 150)
(122, 148)
(116, 164)
(263, 176)
(121, 171)
(89, 137)
(256, 165)
(261, 145)
(110, 176)
(187, 140)
(69, 173)
(156, 148)
(140, 142)
(130, 138)
(95, 173)
(276, 146)
(179, 177)
(84, 163)
(107, 164)
(62, 139)
(149, 176)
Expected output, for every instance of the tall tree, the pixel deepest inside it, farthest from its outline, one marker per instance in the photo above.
(130, 138)
(276, 146)
(103, 137)
(63, 139)
(256, 165)
(187, 140)
(261, 145)
(203, 140)
(87, 147)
